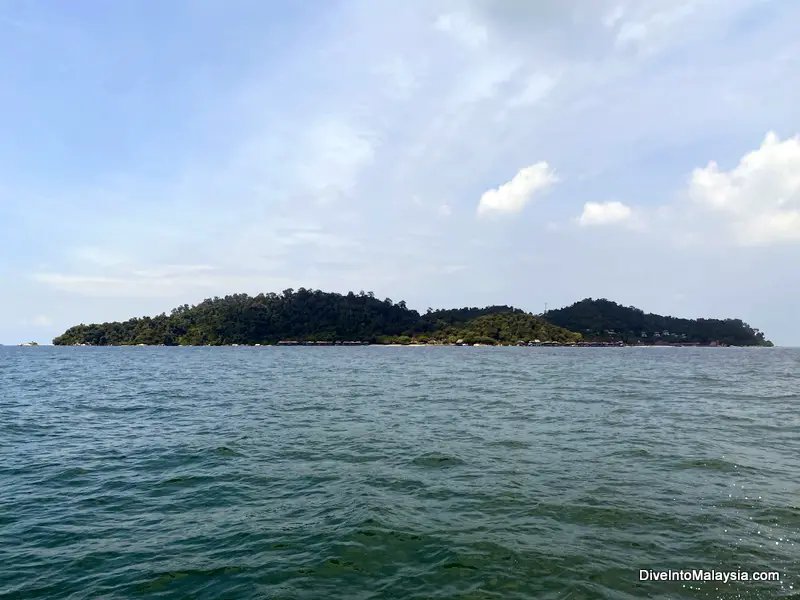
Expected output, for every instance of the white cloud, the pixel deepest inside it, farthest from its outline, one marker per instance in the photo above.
(149, 285)
(337, 155)
(315, 238)
(613, 16)
(485, 81)
(759, 199)
(536, 88)
(59, 279)
(102, 257)
(448, 269)
(401, 80)
(462, 28)
(605, 213)
(139, 282)
(42, 321)
(512, 197)
(650, 30)
(167, 271)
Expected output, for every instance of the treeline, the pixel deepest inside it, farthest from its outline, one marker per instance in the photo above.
(313, 315)
(603, 320)
(265, 318)
(494, 325)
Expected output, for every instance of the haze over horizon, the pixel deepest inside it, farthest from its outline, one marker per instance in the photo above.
(447, 153)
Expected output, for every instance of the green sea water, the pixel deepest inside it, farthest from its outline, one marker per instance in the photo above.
(394, 473)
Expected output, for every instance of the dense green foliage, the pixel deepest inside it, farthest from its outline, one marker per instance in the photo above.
(314, 316)
(604, 320)
(503, 325)
(459, 316)
(265, 318)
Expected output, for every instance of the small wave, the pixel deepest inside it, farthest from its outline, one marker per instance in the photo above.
(225, 451)
(458, 565)
(513, 444)
(397, 484)
(434, 460)
(186, 481)
(633, 453)
(341, 565)
(164, 579)
(788, 516)
(713, 464)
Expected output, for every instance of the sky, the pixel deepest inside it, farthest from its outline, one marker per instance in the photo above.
(447, 153)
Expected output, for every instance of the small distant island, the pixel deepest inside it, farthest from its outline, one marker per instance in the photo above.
(314, 317)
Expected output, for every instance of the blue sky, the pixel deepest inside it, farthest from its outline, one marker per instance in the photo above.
(445, 152)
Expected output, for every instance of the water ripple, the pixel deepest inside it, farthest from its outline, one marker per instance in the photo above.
(366, 473)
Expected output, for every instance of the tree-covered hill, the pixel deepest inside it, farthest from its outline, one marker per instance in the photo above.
(265, 318)
(507, 327)
(307, 315)
(604, 320)
(313, 315)
(459, 316)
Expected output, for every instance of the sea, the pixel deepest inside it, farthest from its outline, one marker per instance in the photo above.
(399, 473)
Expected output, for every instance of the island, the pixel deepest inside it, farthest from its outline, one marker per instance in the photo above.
(313, 317)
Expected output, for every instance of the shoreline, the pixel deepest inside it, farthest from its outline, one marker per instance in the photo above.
(331, 345)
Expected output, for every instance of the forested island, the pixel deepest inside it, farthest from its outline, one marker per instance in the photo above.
(317, 317)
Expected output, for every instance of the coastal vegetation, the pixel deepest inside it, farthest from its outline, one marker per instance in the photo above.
(492, 326)
(315, 316)
(603, 320)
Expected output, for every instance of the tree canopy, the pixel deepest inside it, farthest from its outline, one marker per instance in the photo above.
(313, 315)
(606, 320)
(317, 316)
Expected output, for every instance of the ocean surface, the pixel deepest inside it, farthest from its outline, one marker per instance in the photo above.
(394, 473)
